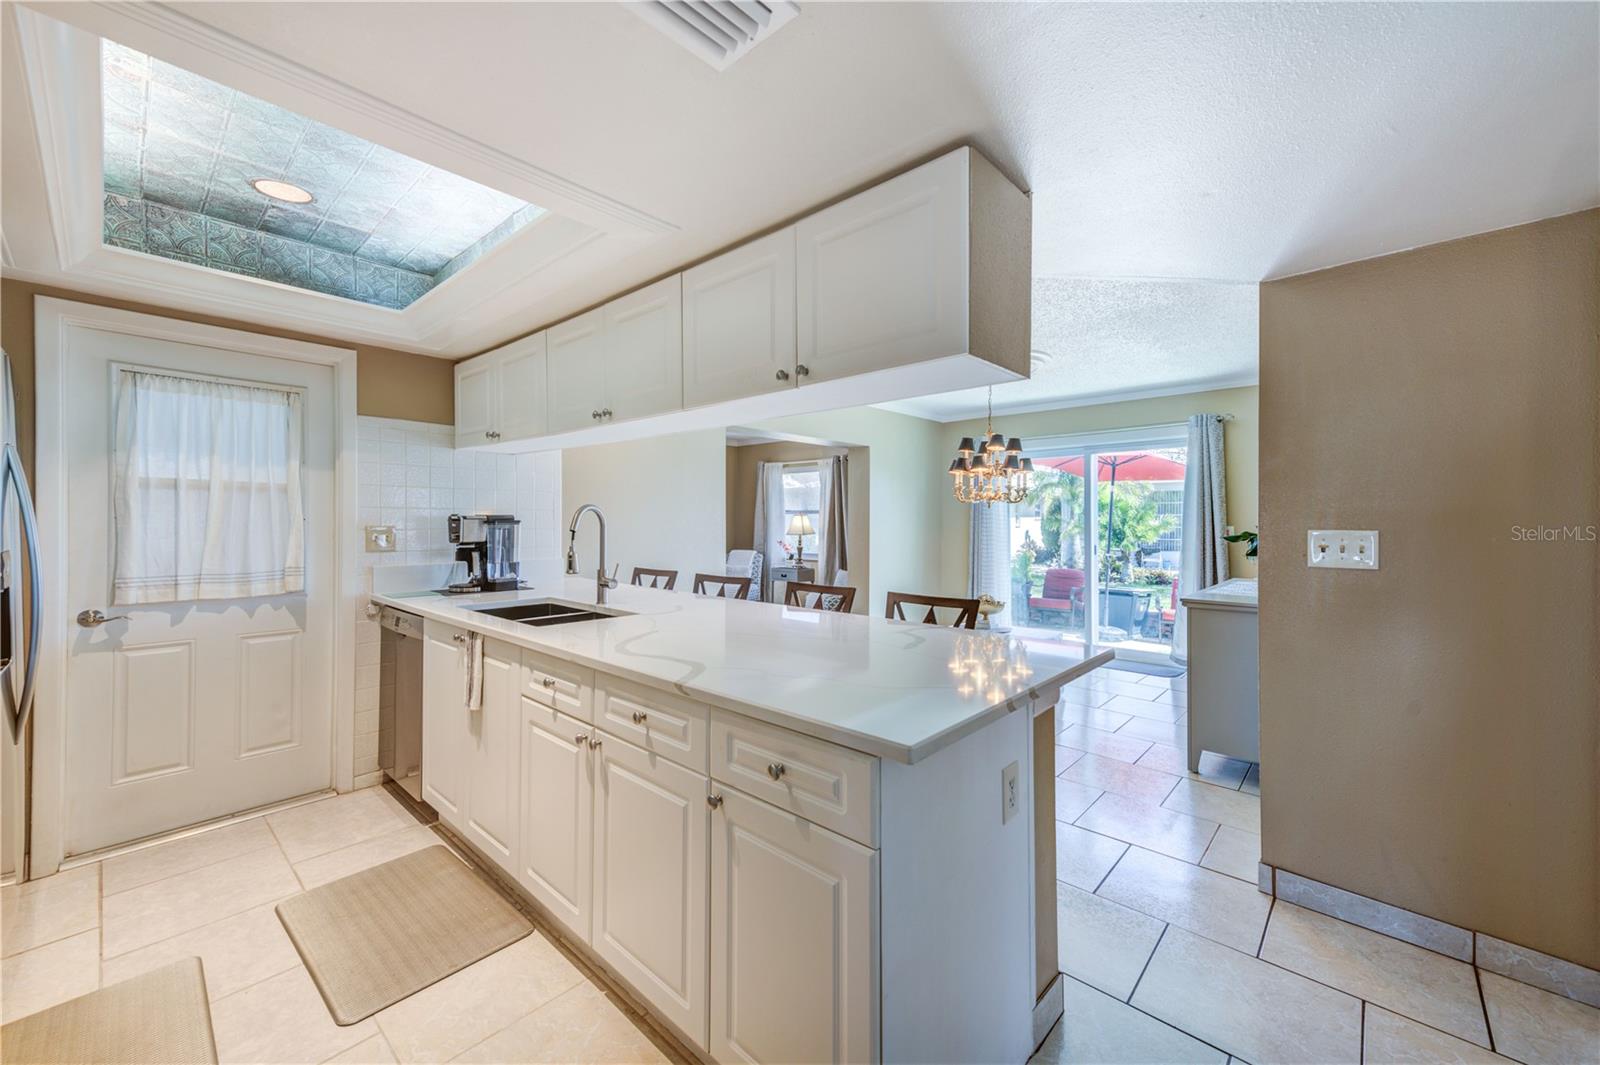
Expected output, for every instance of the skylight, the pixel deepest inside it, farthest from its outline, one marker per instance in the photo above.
(204, 174)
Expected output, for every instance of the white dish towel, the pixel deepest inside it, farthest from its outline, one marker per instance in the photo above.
(474, 692)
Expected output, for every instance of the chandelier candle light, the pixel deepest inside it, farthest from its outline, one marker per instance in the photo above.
(993, 470)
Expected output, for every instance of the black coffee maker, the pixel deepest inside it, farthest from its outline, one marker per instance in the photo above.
(487, 543)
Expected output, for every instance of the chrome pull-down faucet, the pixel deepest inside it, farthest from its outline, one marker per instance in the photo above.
(601, 581)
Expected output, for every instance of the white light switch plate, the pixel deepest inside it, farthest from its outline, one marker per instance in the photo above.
(1342, 549)
(381, 538)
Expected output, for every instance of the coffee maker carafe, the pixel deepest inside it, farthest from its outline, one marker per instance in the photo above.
(487, 543)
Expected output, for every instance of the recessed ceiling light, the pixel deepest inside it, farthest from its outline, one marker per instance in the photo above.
(281, 190)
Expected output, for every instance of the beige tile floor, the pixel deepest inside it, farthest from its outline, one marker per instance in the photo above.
(1171, 954)
(213, 895)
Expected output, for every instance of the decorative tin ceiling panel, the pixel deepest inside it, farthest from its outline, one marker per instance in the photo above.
(181, 153)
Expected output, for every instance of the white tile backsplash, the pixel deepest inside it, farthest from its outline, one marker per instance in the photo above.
(410, 475)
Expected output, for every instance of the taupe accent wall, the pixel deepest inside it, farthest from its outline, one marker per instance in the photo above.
(389, 384)
(1430, 732)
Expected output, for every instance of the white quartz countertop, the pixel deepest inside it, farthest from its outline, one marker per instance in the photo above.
(898, 690)
(1239, 592)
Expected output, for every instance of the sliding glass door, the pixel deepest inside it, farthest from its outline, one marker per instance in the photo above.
(1096, 546)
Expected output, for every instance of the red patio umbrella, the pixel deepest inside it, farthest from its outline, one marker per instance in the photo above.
(1122, 465)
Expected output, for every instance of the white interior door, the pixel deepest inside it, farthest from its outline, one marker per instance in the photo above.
(177, 713)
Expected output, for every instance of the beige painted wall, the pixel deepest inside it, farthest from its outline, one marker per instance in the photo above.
(1239, 443)
(742, 499)
(1430, 733)
(389, 384)
(904, 496)
(664, 499)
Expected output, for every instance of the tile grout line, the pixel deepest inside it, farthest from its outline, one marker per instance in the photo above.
(1262, 942)
(1126, 847)
(1483, 1002)
(1361, 1035)
(284, 855)
(184, 872)
(583, 979)
(1146, 967)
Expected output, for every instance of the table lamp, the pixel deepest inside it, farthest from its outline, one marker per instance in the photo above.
(800, 527)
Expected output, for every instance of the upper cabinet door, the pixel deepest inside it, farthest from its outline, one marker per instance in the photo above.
(644, 351)
(575, 372)
(882, 276)
(738, 322)
(477, 395)
(522, 388)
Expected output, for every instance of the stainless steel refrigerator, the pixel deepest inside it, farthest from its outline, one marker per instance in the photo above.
(19, 637)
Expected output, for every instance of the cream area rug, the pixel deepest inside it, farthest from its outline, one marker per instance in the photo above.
(159, 1016)
(376, 936)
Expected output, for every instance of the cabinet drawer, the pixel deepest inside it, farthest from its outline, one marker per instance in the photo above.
(559, 685)
(660, 722)
(831, 786)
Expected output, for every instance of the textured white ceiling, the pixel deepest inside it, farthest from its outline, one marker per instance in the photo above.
(1096, 340)
(1229, 142)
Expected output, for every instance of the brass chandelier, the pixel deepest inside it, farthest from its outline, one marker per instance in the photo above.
(993, 470)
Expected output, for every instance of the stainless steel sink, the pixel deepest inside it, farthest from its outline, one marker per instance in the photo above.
(545, 612)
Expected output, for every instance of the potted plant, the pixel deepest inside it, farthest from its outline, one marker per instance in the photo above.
(1245, 538)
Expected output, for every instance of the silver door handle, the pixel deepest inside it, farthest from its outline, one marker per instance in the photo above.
(90, 619)
(775, 770)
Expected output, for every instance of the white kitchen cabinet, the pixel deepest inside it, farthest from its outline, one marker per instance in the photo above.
(577, 361)
(557, 799)
(739, 322)
(444, 729)
(644, 351)
(931, 264)
(794, 938)
(500, 395)
(651, 825)
(490, 757)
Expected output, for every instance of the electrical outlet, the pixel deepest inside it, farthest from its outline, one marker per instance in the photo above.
(1010, 793)
(1342, 549)
(381, 538)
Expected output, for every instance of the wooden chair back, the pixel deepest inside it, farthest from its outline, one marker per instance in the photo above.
(966, 609)
(664, 579)
(835, 597)
(740, 586)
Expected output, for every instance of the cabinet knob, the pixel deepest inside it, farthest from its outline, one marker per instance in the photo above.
(802, 370)
(775, 770)
(783, 375)
(459, 637)
(594, 743)
(605, 412)
(580, 739)
(639, 717)
(595, 415)
(549, 682)
(713, 801)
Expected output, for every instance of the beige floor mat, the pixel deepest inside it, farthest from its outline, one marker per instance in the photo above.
(159, 1016)
(376, 936)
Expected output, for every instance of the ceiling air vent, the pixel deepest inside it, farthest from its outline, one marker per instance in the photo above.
(718, 31)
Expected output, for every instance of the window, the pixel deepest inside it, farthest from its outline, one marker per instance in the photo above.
(802, 494)
(206, 482)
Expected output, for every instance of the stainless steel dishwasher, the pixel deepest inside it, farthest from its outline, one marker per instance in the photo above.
(400, 700)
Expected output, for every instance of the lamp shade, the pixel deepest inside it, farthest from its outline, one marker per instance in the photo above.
(966, 446)
(800, 525)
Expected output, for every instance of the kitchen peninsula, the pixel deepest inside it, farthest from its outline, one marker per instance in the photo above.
(793, 835)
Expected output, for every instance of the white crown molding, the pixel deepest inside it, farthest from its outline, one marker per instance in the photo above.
(560, 194)
(1097, 399)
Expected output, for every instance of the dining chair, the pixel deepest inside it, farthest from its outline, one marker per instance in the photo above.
(664, 579)
(966, 609)
(740, 586)
(835, 597)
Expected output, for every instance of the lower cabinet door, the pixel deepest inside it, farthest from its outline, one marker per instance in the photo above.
(650, 842)
(794, 938)
(444, 721)
(554, 861)
(491, 762)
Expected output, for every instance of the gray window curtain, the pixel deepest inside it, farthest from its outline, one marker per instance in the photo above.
(768, 521)
(832, 552)
(989, 569)
(1203, 560)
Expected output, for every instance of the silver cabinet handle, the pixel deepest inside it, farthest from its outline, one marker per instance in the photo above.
(549, 682)
(594, 743)
(713, 801)
(802, 370)
(595, 415)
(775, 770)
(459, 637)
(783, 375)
(605, 412)
(639, 717)
(580, 739)
(12, 476)
(92, 618)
